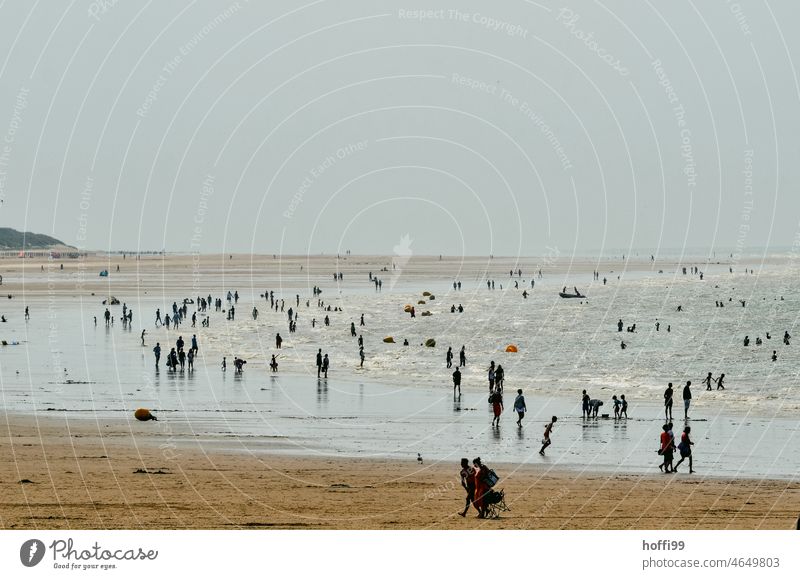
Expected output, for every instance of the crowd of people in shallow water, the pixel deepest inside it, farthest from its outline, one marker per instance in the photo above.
(477, 479)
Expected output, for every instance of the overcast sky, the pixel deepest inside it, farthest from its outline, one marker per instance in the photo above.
(511, 127)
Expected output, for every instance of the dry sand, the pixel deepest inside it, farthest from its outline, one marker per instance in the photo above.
(86, 475)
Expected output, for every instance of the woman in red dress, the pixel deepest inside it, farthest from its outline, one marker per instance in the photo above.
(481, 487)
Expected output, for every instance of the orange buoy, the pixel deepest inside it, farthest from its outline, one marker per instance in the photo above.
(144, 415)
(511, 348)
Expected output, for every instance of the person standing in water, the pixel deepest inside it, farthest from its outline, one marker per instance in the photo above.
(519, 407)
(457, 382)
(157, 352)
(462, 356)
(707, 381)
(547, 431)
(449, 357)
(585, 404)
(687, 399)
(319, 362)
(325, 364)
(668, 402)
(720, 382)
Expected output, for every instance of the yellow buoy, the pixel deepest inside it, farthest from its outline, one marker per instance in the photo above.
(389, 340)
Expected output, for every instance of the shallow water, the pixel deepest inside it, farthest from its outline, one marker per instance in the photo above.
(401, 403)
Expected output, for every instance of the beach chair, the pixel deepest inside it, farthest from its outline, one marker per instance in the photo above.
(496, 503)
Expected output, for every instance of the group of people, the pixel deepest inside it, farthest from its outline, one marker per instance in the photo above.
(667, 449)
(178, 356)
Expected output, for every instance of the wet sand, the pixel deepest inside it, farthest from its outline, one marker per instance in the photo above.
(85, 475)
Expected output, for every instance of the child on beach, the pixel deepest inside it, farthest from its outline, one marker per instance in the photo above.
(547, 430)
(617, 405)
(624, 409)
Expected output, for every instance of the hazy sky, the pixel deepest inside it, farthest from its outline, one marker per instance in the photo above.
(508, 127)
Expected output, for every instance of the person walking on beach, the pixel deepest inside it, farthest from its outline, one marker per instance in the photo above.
(519, 407)
(462, 356)
(774, 355)
(585, 404)
(687, 399)
(707, 381)
(619, 325)
(665, 450)
(685, 448)
(496, 399)
(786, 338)
(319, 362)
(499, 377)
(194, 344)
(157, 352)
(668, 402)
(720, 382)
(190, 360)
(624, 409)
(481, 487)
(547, 431)
(352, 329)
(449, 357)
(457, 382)
(158, 318)
(491, 376)
(468, 482)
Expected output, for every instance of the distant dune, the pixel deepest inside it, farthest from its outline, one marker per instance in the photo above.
(11, 239)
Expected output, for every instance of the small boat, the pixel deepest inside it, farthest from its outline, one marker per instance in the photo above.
(565, 295)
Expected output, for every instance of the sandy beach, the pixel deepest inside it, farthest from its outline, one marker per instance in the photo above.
(290, 452)
(86, 475)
